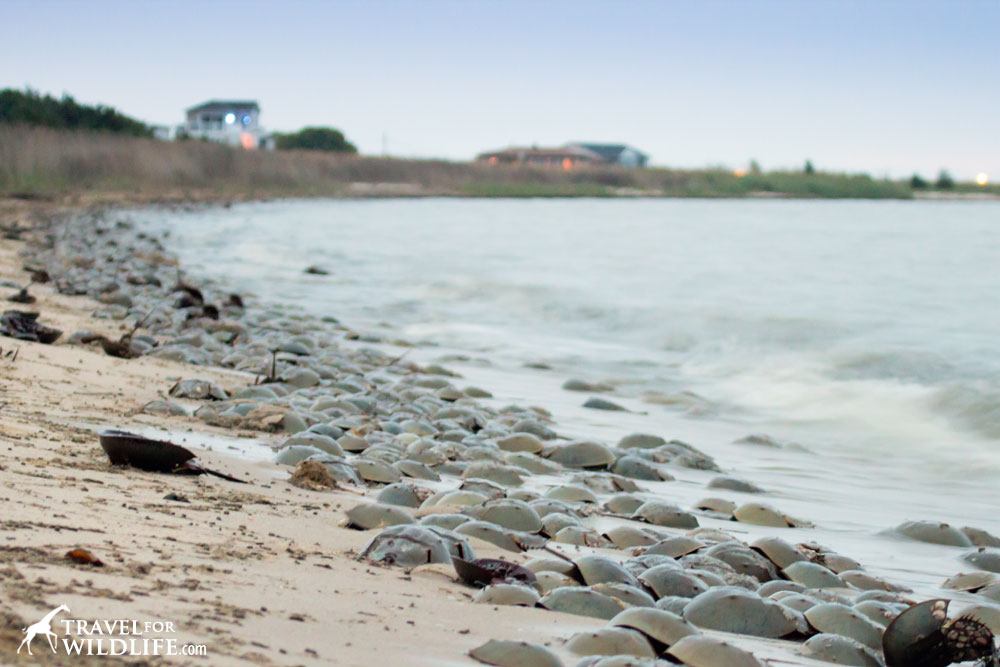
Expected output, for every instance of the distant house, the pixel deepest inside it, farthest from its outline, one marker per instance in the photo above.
(619, 154)
(569, 156)
(231, 122)
(562, 158)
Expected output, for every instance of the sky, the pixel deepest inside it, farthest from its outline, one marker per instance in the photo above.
(885, 87)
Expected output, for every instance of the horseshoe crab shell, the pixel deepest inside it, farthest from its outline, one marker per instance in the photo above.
(572, 493)
(520, 442)
(702, 651)
(984, 559)
(582, 602)
(676, 547)
(838, 619)
(778, 551)
(509, 514)
(376, 515)
(514, 654)
(760, 514)
(598, 569)
(934, 533)
(662, 628)
(744, 560)
(611, 641)
(624, 504)
(812, 575)
(491, 533)
(624, 537)
(407, 546)
(630, 595)
(507, 595)
(733, 609)
(840, 650)
(665, 514)
(667, 580)
(580, 454)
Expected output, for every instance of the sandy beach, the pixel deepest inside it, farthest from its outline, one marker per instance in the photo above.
(259, 573)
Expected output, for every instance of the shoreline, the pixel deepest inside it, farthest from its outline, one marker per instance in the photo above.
(247, 539)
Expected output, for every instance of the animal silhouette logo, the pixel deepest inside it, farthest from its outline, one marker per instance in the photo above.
(43, 627)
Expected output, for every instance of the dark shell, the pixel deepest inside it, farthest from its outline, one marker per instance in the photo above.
(922, 636)
(486, 571)
(129, 449)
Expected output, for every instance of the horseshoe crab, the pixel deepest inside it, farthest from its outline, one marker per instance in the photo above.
(813, 575)
(520, 442)
(572, 493)
(662, 628)
(624, 504)
(842, 620)
(488, 571)
(627, 593)
(934, 533)
(984, 559)
(667, 580)
(840, 650)
(923, 636)
(598, 570)
(376, 515)
(744, 560)
(582, 602)
(665, 514)
(508, 653)
(611, 641)
(733, 609)
(760, 514)
(624, 537)
(511, 595)
(491, 533)
(407, 545)
(702, 651)
(553, 523)
(580, 454)
(509, 514)
(676, 547)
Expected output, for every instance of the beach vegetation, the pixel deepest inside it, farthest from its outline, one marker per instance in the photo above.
(315, 139)
(28, 107)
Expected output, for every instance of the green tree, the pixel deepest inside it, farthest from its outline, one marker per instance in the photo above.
(755, 167)
(316, 139)
(917, 182)
(944, 181)
(30, 108)
(809, 168)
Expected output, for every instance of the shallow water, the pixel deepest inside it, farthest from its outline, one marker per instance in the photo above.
(864, 334)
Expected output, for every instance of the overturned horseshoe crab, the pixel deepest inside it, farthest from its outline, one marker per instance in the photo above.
(487, 571)
(129, 449)
(923, 636)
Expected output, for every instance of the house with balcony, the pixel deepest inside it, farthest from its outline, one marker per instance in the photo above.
(230, 122)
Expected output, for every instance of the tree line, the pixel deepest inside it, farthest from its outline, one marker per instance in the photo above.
(31, 108)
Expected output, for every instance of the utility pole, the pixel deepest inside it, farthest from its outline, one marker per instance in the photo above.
(385, 144)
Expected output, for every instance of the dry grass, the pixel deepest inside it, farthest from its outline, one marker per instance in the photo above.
(41, 162)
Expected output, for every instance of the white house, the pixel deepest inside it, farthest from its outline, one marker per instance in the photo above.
(231, 122)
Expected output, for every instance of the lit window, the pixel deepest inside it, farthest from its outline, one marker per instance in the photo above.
(230, 118)
(246, 119)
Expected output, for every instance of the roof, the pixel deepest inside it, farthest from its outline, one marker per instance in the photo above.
(520, 153)
(225, 104)
(609, 152)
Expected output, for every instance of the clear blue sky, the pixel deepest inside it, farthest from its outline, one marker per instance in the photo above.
(881, 86)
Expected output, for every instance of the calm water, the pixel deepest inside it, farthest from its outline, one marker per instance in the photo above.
(866, 333)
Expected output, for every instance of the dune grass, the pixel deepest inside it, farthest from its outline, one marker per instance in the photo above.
(42, 162)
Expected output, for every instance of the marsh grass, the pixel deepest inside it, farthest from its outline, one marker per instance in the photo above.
(46, 162)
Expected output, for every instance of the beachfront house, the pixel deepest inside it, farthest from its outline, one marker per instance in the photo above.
(619, 154)
(560, 158)
(569, 156)
(231, 122)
